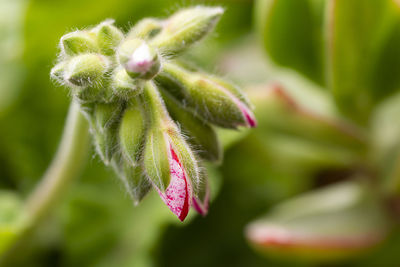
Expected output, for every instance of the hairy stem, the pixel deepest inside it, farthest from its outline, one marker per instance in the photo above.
(66, 166)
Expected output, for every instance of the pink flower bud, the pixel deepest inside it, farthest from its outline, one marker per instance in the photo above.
(178, 194)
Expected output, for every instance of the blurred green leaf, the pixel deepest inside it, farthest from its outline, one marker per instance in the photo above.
(11, 48)
(354, 42)
(11, 218)
(293, 131)
(333, 223)
(292, 34)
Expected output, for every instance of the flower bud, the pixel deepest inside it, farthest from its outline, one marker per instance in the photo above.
(57, 72)
(200, 134)
(108, 37)
(105, 129)
(186, 27)
(133, 178)
(145, 29)
(212, 98)
(168, 161)
(86, 69)
(124, 86)
(131, 131)
(139, 59)
(78, 42)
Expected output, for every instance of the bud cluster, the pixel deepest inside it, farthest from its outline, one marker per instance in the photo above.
(141, 103)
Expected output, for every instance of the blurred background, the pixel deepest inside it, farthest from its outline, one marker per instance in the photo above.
(96, 224)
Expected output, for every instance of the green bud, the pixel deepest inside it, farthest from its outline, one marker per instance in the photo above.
(200, 134)
(145, 29)
(135, 182)
(105, 129)
(131, 131)
(139, 59)
(213, 100)
(108, 37)
(124, 86)
(78, 42)
(57, 72)
(186, 27)
(86, 69)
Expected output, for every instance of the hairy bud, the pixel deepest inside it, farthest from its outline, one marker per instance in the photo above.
(200, 134)
(139, 59)
(85, 69)
(136, 184)
(186, 27)
(168, 160)
(78, 42)
(212, 99)
(57, 72)
(108, 37)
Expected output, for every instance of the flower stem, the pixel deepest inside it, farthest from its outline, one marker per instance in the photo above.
(66, 165)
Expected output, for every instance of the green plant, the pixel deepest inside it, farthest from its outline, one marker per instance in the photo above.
(149, 114)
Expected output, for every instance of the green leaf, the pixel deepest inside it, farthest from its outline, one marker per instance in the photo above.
(292, 36)
(280, 113)
(186, 27)
(11, 218)
(354, 42)
(11, 46)
(330, 224)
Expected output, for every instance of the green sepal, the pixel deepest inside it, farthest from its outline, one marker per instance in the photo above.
(124, 86)
(108, 37)
(156, 158)
(186, 27)
(133, 178)
(132, 130)
(157, 148)
(105, 129)
(86, 70)
(57, 72)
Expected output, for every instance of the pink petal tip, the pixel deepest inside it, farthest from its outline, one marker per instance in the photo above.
(177, 196)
